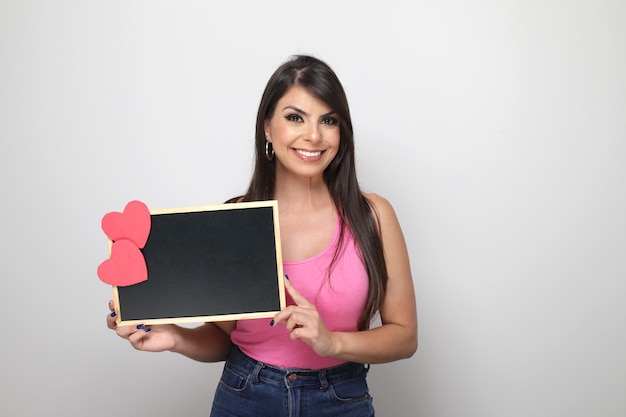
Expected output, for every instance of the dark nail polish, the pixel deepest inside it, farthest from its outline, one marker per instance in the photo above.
(286, 276)
(140, 326)
(147, 329)
(272, 323)
(113, 314)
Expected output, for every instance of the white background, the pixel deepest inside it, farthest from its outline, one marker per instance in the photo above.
(497, 129)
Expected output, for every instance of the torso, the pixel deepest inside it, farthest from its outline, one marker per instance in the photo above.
(339, 295)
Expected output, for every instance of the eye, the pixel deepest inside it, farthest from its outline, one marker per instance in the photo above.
(330, 121)
(293, 117)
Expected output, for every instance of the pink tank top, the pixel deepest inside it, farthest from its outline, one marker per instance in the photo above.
(340, 301)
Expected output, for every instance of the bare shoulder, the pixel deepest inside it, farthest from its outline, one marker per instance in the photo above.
(381, 206)
(238, 199)
(387, 220)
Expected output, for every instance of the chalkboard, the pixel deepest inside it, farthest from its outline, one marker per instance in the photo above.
(210, 263)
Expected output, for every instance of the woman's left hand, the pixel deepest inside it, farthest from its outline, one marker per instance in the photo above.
(304, 323)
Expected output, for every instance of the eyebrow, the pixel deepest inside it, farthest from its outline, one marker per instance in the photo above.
(298, 110)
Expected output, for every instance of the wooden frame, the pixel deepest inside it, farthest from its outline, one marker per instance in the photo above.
(207, 263)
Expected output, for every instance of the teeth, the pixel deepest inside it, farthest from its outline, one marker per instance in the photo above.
(309, 154)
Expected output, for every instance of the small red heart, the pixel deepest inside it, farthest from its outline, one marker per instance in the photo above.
(132, 224)
(125, 267)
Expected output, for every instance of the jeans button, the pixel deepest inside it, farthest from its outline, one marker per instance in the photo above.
(292, 377)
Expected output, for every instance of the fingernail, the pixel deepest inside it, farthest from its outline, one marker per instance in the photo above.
(140, 326)
(147, 329)
(113, 314)
(272, 323)
(286, 276)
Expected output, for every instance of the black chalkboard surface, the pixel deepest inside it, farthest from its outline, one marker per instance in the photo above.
(210, 263)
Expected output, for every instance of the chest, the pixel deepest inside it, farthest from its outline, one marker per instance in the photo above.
(304, 236)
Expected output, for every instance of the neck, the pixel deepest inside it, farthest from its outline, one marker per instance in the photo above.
(301, 193)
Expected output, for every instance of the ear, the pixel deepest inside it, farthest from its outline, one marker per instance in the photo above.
(266, 129)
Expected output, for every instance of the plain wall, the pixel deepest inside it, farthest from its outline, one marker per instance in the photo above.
(497, 129)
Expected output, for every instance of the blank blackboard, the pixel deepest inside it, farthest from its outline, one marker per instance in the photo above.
(211, 263)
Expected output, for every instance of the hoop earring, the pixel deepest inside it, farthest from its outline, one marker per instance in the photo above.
(269, 151)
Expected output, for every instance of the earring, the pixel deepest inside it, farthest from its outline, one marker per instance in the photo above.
(269, 151)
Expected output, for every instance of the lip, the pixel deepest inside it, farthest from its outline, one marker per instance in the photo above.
(308, 155)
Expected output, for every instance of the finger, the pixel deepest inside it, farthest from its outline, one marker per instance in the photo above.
(111, 322)
(112, 317)
(140, 339)
(123, 331)
(127, 331)
(294, 321)
(297, 297)
(296, 334)
(282, 315)
(137, 337)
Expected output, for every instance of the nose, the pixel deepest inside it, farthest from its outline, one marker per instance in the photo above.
(313, 133)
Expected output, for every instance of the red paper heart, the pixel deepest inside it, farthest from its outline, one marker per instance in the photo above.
(126, 266)
(132, 224)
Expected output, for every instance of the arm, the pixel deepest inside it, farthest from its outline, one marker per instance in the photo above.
(396, 338)
(206, 343)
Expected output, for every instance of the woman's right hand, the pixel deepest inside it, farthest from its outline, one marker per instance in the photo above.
(155, 338)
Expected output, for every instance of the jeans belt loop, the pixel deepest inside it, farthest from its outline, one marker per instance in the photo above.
(256, 371)
(323, 381)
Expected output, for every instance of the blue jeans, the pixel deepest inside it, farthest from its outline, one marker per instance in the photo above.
(253, 389)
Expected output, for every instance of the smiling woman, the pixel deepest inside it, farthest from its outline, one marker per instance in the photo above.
(303, 127)
(343, 253)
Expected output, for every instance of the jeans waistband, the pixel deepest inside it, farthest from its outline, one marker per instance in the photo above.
(294, 377)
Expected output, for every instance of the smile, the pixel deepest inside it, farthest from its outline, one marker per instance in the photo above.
(308, 154)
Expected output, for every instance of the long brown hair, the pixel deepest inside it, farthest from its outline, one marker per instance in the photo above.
(354, 208)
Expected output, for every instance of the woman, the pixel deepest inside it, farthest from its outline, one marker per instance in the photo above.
(345, 260)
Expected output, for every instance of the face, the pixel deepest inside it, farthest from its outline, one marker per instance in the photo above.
(304, 133)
